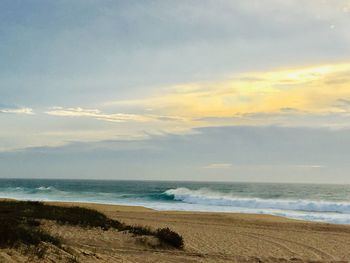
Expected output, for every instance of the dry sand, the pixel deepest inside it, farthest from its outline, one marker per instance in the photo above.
(209, 237)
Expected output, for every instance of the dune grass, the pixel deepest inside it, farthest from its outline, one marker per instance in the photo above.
(20, 224)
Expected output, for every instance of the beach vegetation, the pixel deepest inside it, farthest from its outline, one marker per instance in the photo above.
(20, 224)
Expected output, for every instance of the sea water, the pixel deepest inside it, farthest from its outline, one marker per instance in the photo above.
(324, 203)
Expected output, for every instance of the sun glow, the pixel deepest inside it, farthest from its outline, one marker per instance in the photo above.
(312, 89)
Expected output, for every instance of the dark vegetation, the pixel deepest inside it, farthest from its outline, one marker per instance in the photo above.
(20, 224)
(14, 231)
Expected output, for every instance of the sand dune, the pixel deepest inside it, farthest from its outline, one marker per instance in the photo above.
(209, 237)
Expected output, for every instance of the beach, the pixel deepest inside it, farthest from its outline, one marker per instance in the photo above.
(208, 237)
(174, 131)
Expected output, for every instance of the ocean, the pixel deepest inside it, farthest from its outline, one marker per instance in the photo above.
(323, 203)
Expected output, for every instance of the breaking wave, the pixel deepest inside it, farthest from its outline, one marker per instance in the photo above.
(207, 197)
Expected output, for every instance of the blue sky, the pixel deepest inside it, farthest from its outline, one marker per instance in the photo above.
(148, 90)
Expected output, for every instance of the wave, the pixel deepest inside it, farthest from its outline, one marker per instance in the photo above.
(50, 193)
(207, 197)
(46, 189)
(185, 199)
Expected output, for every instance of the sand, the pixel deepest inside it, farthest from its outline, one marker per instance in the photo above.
(209, 237)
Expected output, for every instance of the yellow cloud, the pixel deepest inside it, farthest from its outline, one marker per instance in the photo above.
(111, 117)
(310, 89)
(94, 113)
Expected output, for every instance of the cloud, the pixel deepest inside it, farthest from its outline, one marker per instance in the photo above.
(300, 97)
(343, 105)
(96, 114)
(286, 94)
(15, 110)
(191, 43)
(218, 166)
(112, 117)
(270, 154)
(309, 166)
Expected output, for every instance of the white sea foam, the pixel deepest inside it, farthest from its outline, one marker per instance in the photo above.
(43, 188)
(335, 218)
(208, 197)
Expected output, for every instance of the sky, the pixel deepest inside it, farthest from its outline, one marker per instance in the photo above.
(255, 91)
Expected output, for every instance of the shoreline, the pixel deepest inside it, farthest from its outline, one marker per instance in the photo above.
(131, 206)
(182, 211)
(209, 237)
(314, 203)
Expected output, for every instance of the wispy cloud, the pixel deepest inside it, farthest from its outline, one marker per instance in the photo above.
(17, 110)
(309, 166)
(96, 114)
(343, 105)
(263, 166)
(218, 166)
(111, 117)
